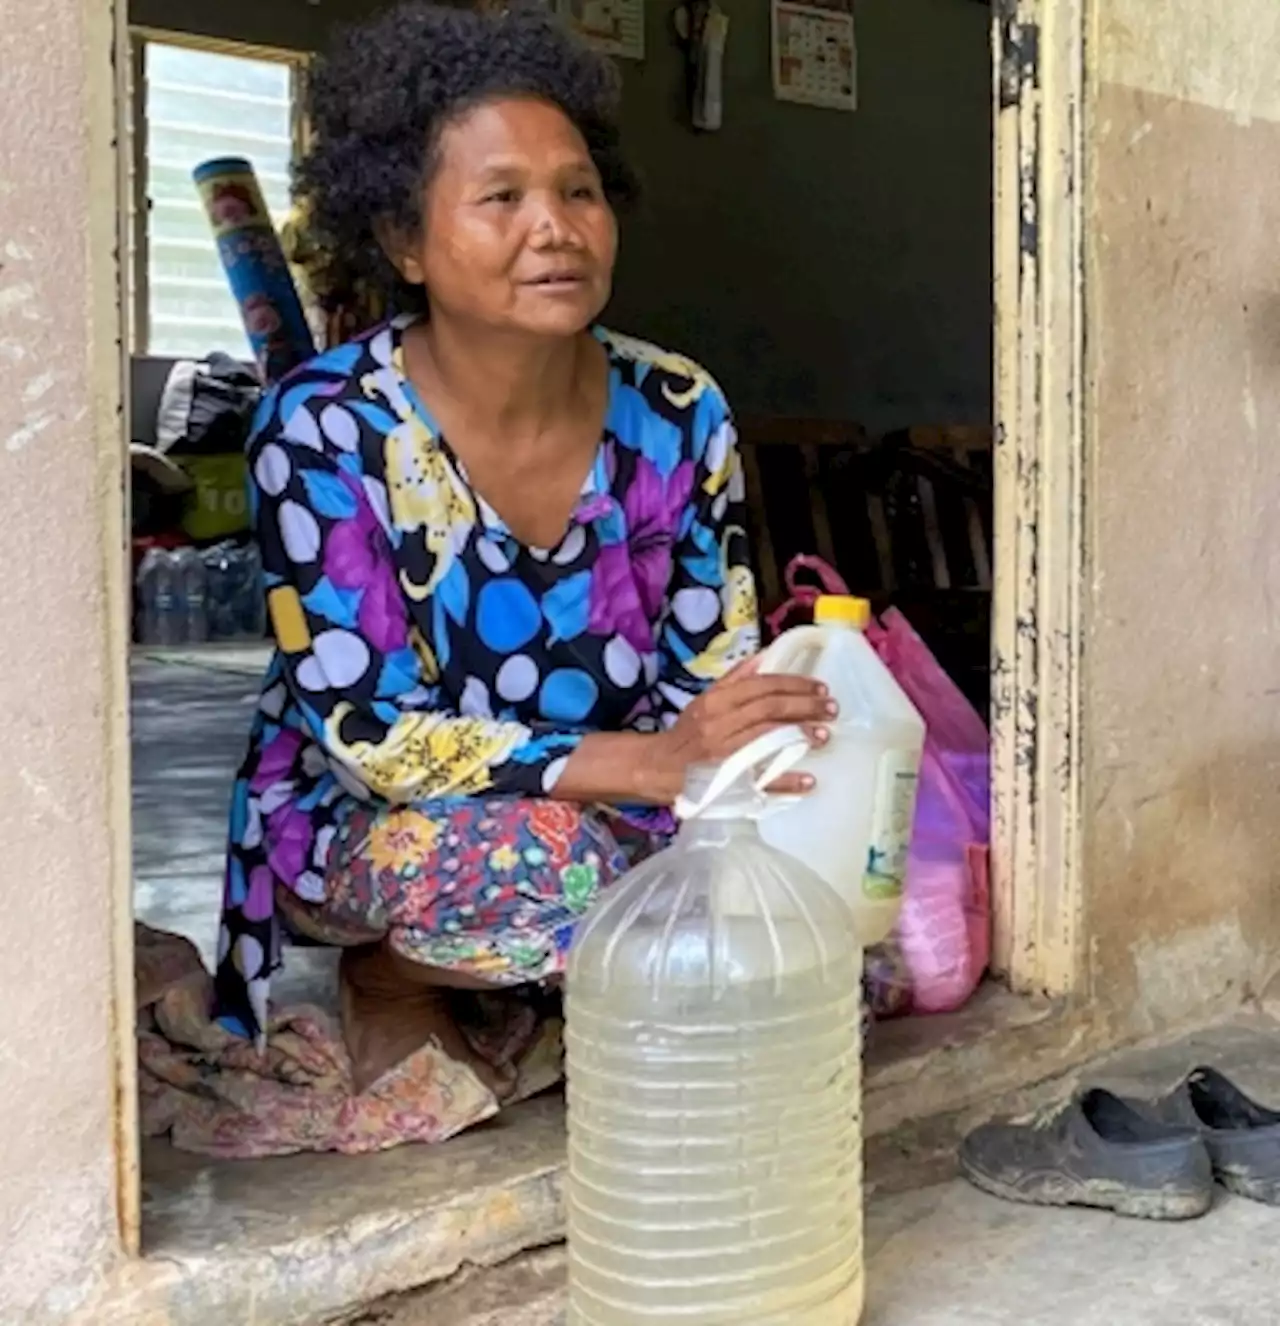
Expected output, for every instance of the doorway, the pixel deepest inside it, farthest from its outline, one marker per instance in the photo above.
(1036, 570)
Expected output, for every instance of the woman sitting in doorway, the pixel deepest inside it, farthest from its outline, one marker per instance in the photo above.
(504, 553)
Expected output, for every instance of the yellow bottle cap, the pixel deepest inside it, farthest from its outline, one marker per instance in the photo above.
(842, 609)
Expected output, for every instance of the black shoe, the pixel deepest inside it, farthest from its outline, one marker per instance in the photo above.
(1243, 1137)
(1094, 1150)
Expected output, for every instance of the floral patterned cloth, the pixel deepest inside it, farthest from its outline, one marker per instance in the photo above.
(424, 653)
(212, 1092)
(486, 888)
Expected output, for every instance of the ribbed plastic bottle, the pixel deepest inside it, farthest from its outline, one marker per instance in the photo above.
(714, 1078)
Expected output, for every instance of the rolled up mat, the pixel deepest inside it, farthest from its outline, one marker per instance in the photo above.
(255, 266)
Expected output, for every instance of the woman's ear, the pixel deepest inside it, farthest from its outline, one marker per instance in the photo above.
(400, 250)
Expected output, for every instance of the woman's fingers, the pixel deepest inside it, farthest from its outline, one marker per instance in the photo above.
(789, 699)
(763, 713)
(721, 748)
(736, 688)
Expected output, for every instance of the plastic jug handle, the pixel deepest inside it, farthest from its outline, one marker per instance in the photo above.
(784, 654)
(783, 748)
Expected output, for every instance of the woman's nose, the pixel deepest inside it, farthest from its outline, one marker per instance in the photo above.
(552, 227)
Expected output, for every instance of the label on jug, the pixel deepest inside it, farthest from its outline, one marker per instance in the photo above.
(895, 805)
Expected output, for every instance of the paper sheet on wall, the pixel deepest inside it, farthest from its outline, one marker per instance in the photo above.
(613, 27)
(815, 54)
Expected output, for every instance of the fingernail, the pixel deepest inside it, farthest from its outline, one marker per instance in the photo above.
(831, 708)
(806, 782)
(821, 734)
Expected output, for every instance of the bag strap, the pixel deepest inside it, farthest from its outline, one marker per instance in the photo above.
(801, 597)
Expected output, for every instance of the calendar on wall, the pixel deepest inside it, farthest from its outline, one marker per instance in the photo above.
(613, 27)
(815, 54)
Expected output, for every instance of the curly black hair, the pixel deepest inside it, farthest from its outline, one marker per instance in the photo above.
(378, 103)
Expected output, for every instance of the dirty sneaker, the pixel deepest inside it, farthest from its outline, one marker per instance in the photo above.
(1093, 1150)
(1242, 1137)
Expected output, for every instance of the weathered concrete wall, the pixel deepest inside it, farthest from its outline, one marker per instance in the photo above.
(61, 655)
(1182, 674)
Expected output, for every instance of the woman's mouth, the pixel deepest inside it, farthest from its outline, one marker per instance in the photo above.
(558, 283)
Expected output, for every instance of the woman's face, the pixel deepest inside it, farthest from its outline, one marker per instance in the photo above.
(516, 233)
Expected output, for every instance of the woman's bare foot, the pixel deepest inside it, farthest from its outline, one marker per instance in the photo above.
(389, 1014)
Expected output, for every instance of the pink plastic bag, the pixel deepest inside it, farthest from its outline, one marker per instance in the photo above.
(942, 945)
(945, 926)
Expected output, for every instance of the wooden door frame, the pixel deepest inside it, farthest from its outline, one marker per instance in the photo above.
(110, 24)
(1040, 939)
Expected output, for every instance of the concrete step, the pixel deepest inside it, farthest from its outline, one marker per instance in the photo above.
(526, 1291)
(307, 1240)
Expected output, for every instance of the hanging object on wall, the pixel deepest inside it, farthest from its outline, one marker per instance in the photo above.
(703, 29)
(613, 27)
(815, 54)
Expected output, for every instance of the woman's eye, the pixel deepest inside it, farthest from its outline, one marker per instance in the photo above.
(585, 191)
(502, 196)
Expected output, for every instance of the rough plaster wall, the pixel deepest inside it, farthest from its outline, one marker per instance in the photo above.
(60, 476)
(1182, 700)
(820, 263)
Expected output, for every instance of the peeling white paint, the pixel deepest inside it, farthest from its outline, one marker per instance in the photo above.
(30, 429)
(1248, 400)
(15, 297)
(1038, 882)
(39, 386)
(44, 794)
(1249, 406)
(16, 252)
(1140, 133)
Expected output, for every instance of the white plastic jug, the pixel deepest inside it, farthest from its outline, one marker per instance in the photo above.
(854, 828)
(713, 1053)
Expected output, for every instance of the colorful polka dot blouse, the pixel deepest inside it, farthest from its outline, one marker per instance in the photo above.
(424, 652)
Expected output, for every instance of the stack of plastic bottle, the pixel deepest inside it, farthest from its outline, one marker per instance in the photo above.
(186, 596)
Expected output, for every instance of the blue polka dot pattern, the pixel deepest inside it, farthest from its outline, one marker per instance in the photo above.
(507, 616)
(568, 695)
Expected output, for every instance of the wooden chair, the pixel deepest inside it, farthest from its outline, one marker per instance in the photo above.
(905, 518)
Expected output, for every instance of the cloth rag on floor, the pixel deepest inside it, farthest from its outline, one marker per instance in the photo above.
(216, 1094)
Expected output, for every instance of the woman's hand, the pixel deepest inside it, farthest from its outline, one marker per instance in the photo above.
(730, 714)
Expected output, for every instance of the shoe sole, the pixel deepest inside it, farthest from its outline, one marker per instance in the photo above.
(1099, 1195)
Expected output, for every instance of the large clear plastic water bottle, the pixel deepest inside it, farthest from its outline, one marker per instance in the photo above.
(159, 613)
(714, 1077)
(236, 604)
(193, 596)
(253, 600)
(220, 589)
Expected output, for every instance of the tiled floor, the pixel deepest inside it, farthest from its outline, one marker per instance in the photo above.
(190, 724)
